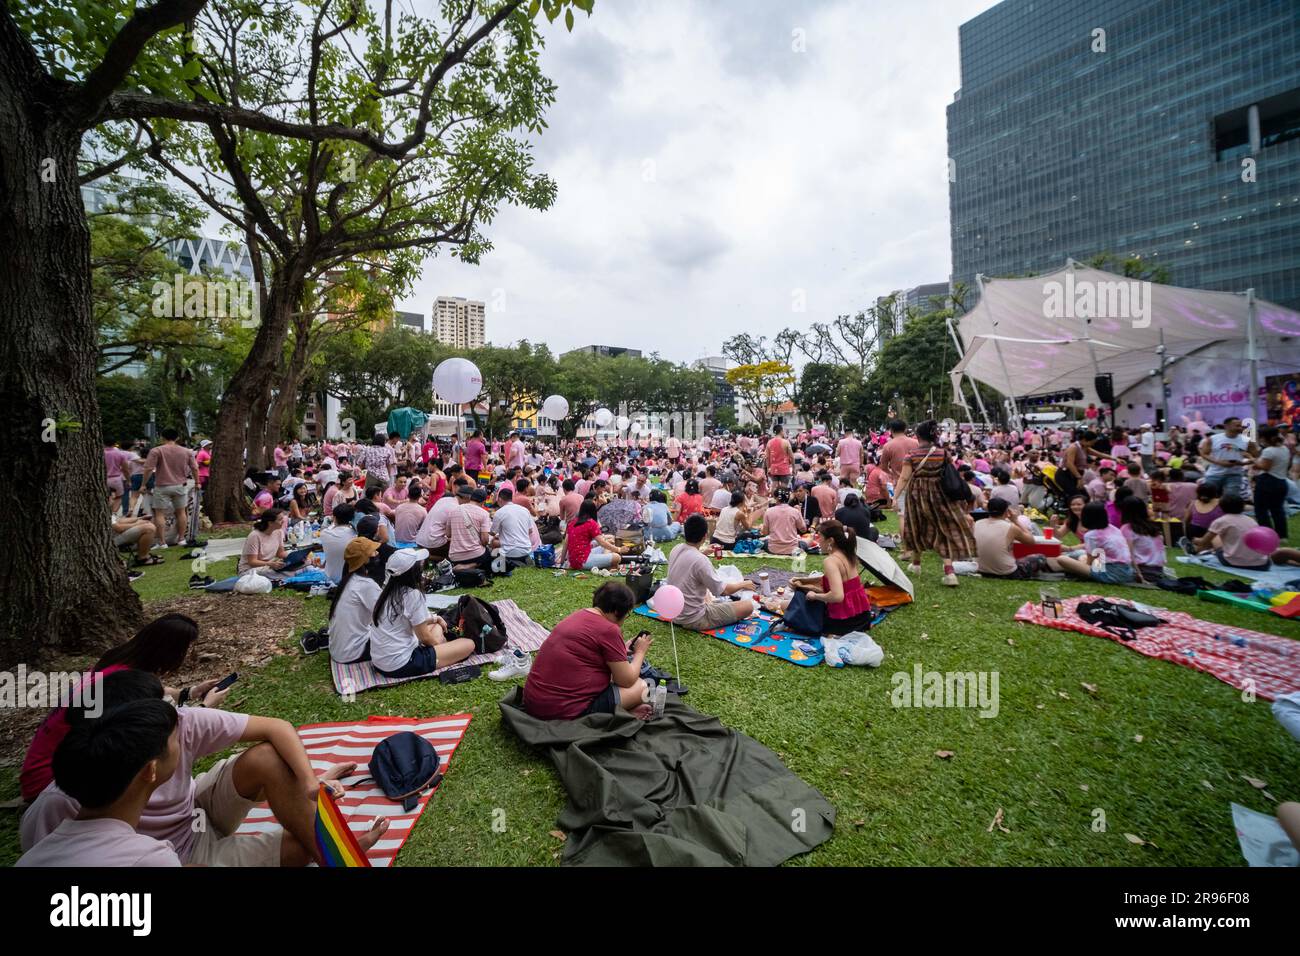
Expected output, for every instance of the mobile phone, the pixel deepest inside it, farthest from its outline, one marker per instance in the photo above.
(227, 680)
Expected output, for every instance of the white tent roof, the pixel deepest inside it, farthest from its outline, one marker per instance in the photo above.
(1029, 336)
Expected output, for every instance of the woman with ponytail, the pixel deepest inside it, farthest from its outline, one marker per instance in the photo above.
(847, 606)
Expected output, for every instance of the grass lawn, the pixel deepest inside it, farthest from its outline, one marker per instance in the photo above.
(1158, 751)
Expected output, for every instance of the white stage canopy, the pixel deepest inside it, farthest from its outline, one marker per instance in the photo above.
(1055, 332)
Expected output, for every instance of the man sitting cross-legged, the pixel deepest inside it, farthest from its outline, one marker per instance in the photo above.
(200, 815)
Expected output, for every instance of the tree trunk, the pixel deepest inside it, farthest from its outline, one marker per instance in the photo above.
(65, 585)
(281, 418)
(241, 420)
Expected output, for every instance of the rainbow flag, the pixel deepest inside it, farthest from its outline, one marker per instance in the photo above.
(337, 845)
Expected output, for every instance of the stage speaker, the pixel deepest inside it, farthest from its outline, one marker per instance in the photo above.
(1105, 386)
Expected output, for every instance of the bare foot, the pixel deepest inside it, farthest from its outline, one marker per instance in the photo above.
(332, 778)
(643, 712)
(378, 827)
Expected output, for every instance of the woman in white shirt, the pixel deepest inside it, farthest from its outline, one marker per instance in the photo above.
(406, 640)
(353, 605)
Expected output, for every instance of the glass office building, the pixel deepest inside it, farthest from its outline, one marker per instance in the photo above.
(1165, 129)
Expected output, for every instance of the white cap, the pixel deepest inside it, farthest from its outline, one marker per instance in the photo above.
(402, 560)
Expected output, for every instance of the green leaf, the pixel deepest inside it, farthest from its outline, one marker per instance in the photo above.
(568, 20)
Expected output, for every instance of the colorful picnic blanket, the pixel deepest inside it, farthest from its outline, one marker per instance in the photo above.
(1277, 576)
(757, 633)
(521, 630)
(331, 744)
(1267, 665)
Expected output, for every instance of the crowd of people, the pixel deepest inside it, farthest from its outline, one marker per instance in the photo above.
(119, 789)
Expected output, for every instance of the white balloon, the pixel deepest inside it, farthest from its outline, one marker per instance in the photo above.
(603, 417)
(457, 380)
(555, 408)
(622, 423)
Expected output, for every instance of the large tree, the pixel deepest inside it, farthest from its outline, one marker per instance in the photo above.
(67, 67)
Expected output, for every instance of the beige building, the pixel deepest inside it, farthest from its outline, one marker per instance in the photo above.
(458, 322)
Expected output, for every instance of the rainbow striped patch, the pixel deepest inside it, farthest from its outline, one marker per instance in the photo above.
(336, 842)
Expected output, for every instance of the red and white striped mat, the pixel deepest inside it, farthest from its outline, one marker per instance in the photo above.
(331, 744)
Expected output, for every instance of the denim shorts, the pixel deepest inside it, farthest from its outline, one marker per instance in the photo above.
(1114, 574)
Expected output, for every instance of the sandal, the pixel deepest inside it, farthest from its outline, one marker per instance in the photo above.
(146, 562)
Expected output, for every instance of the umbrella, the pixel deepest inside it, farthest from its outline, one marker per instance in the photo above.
(879, 563)
(818, 448)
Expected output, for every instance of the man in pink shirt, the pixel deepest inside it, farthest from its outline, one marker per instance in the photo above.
(896, 450)
(408, 517)
(469, 529)
(824, 493)
(170, 465)
(849, 452)
(116, 461)
(780, 458)
(434, 534)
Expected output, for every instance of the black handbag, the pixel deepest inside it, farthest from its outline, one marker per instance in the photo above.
(804, 616)
(1118, 619)
(954, 489)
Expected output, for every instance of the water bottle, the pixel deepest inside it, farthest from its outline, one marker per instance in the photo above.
(800, 562)
(1099, 565)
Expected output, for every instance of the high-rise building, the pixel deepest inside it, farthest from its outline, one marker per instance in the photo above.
(1165, 129)
(724, 393)
(458, 322)
(409, 320)
(921, 298)
(609, 351)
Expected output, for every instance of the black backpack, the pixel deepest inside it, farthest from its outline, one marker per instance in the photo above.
(404, 766)
(1117, 619)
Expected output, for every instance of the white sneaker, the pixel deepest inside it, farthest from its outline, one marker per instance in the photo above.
(950, 580)
(914, 569)
(517, 664)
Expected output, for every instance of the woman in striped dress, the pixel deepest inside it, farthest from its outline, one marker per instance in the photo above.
(933, 522)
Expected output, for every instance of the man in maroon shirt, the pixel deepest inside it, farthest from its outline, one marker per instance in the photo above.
(583, 667)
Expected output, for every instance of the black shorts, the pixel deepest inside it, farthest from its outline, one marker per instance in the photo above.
(606, 702)
(846, 625)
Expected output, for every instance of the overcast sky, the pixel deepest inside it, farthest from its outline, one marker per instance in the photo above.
(720, 164)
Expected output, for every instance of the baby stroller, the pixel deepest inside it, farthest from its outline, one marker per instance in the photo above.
(1054, 495)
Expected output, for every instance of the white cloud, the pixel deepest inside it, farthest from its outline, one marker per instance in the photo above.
(706, 170)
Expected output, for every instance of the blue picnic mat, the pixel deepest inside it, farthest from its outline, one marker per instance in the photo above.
(756, 634)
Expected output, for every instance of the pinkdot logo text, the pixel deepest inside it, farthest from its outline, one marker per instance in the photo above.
(1234, 396)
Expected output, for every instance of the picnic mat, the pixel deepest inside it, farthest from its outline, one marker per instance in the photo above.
(521, 632)
(330, 744)
(1232, 654)
(1277, 576)
(681, 790)
(756, 633)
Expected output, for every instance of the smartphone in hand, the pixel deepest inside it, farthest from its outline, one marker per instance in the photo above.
(227, 680)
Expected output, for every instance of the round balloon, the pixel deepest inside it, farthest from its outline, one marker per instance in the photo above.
(1261, 540)
(622, 423)
(556, 407)
(603, 417)
(669, 601)
(457, 380)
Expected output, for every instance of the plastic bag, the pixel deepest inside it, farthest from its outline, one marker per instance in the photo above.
(729, 573)
(253, 583)
(855, 648)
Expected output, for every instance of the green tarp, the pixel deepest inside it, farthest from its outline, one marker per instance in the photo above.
(405, 420)
(683, 790)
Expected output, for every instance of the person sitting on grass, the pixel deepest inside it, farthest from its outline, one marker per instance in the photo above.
(1226, 537)
(1204, 510)
(405, 639)
(158, 648)
(352, 605)
(848, 608)
(585, 546)
(1072, 521)
(1144, 538)
(583, 666)
(662, 527)
(264, 551)
(733, 522)
(994, 537)
(139, 532)
(782, 525)
(276, 770)
(692, 573)
(1107, 558)
(852, 514)
(112, 770)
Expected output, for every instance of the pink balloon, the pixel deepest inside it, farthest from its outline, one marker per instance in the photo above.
(1261, 540)
(669, 602)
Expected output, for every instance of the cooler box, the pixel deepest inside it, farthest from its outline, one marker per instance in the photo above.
(1047, 547)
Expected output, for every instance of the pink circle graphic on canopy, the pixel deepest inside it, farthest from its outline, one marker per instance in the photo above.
(669, 601)
(1227, 324)
(1261, 540)
(1277, 322)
